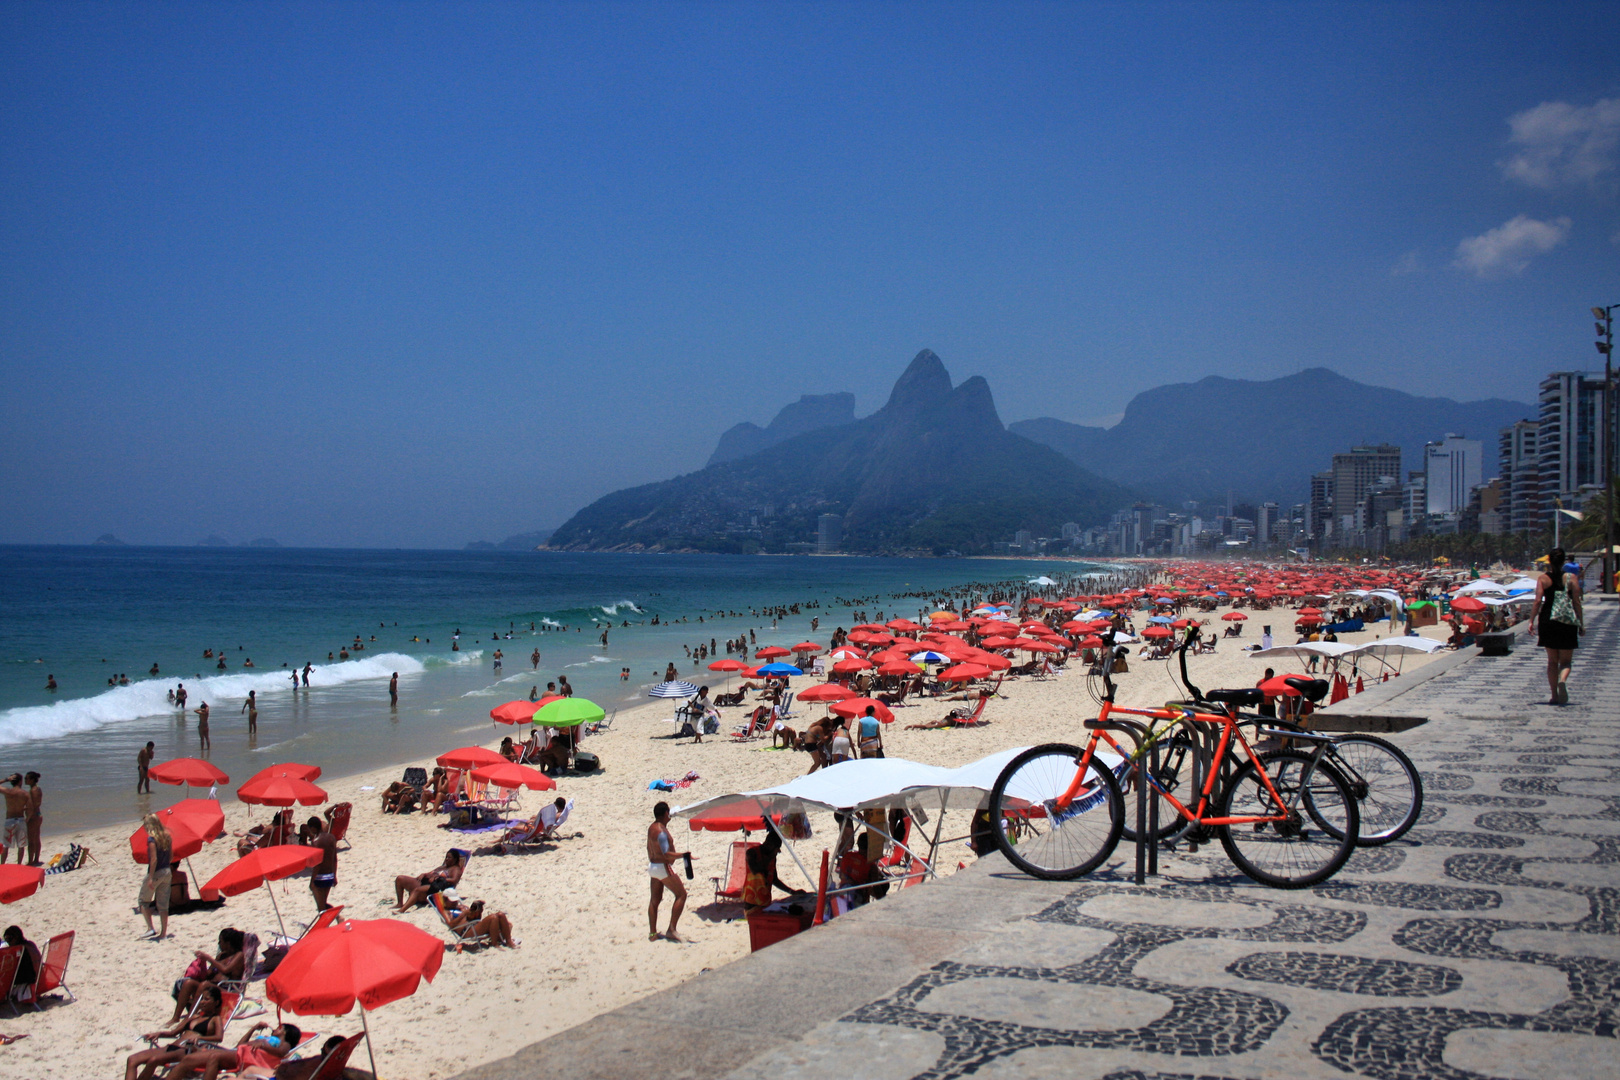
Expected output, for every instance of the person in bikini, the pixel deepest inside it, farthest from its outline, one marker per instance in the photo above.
(203, 1024)
(410, 891)
(661, 856)
(260, 1054)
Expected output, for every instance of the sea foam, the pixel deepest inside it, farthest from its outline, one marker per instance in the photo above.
(148, 697)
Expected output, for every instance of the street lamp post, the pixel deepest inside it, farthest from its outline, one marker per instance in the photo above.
(1605, 345)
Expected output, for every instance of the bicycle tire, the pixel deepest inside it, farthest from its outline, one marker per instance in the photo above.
(1289, 855)
(1387, 786)
(1074, 842)
(1175, 774)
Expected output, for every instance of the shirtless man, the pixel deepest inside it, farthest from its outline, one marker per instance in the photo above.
(143, 767)
(393, 689)
(36, 799)
(16, 826)
(324, 876)
(180, 696)
(202, 725)
(661, 856)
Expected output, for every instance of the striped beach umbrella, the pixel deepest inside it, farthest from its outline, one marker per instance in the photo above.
(677, 688)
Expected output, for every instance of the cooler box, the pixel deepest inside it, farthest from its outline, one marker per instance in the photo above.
(768, 927)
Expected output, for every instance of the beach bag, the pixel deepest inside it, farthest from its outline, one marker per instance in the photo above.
(1563, 608)
(586, 762)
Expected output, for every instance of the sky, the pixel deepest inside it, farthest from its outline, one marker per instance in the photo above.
(412, 275)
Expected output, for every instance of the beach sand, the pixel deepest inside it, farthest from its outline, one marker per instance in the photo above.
(579, 907)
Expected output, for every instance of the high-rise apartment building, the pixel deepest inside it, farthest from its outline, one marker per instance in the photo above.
(829, 533)
(1319, 511)
(1360, 469)
(1452, 468)
(1570, 443)
(1520, 469)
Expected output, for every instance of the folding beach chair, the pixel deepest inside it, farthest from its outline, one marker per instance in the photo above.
(736, 871)
(784, 709)
(465, 935)
(10, 958)
(337, 1059)
(52, 970)
(337, 820)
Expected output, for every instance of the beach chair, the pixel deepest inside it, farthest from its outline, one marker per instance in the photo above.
(465, 935)
(736, 872)
(976, 717)
(337, 820)
(784, 709)
(598, 726)
(758, 723)
(10, 958)
(337, 1059)
(52, 970)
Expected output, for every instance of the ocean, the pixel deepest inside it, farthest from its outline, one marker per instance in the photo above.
(84, 615)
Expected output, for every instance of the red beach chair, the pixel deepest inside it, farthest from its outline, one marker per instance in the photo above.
(736, 872)
(53, 969)
(337, 820)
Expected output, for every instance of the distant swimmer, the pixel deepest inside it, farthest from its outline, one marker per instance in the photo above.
(308, 667)
(154, 670)
(534, 693)
(393, 689)
(563, 688)
(295, 678)
(202, 725)
(251, 707)
(221, 664)
(143, 766)
(497, 659)
(248, 662)
(534, 659)
(455, 646)
(604, 639)
(208, 654)
(50, 682)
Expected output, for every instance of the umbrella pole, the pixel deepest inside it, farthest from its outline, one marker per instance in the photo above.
(370, 1053)
(275, 905)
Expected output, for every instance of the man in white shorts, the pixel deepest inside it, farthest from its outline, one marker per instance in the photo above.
(16, 828)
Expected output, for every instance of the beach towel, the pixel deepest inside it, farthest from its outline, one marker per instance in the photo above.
(62, 863)
(672, 785)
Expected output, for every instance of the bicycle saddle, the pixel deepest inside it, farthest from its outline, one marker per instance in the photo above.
(1240, 698)
(1312, 690)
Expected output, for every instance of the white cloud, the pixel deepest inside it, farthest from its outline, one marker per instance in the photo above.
(1558, 144)
(1406, 264)
(1507, 249)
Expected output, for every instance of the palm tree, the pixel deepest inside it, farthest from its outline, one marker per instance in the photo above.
(1592, 531)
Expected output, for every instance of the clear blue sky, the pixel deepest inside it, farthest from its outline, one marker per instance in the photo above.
(415, 274)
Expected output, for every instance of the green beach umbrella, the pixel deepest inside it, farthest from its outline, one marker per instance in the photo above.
(569, 712)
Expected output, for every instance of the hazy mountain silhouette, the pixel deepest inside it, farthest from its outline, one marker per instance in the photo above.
(933, 470)
(812, 412)
(1263, 440)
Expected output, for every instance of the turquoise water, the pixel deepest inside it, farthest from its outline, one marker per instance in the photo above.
(84, 615)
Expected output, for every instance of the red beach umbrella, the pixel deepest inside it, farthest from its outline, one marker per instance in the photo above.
(1092, 642)
(469, 757)
(1235, 616)
(807, 646)
(190, 771)
(311, 773)
(1468, 604)
(857, 707)
(964, 672)
(770, 652)
(1039, 647)
(848, 652)
(280, 790)
(508, 775)
(191, 824)
(903, 624)
(850, 667)
(261, 867)
(514, 712)
(17, 882)
(365, 962)
(1156, 632)
(727, 665)
(955, 626)
(897, 667)
(826, 692)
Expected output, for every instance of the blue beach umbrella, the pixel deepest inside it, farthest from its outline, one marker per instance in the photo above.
(779, 669)
(1160, 619)
(675, 689)
(928, 656)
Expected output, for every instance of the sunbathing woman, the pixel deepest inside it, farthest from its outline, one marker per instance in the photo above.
(399, 798)
(208, 970)
(253, 1057)
(496, 926)
(439, 792)
(950, 719)
(204, 1023)
(410, 891)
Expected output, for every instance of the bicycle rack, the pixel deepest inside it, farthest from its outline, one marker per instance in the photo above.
(1147, 810)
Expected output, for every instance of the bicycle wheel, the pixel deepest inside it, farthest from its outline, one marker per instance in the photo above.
(1055, 842)
(1299, 851)
(1176, 774)
(1387, 787)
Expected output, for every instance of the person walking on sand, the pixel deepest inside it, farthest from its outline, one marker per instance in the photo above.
(661, 856)
(15, 833)
(202, 725)
(155, 889)
(143, 768)
(1557, 622)
(251, 707)
(393, 690)
(36, 799)
(324, 877)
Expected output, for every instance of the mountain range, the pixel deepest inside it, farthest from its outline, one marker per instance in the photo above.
(1262, 440)
(933, 470)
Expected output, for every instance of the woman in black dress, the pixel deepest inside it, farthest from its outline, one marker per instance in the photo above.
(1560, 639)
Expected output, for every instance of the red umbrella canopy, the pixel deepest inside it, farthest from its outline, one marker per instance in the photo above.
(869, 627)
(514, 712)
(889, 656)
(280, 790)
(903, 624)
(190, 771)
(311, 773)
(846, 652)
(770, 652)
(1468, 603)
(1039, 646)
(1182, 624)
(191, 824)
(17, 882)
(807, 646)
(850, 667)
(1309, 619)
(1092, 642)
(1310, 611)
(985, 659)
(1156, 632)
(371, 962)
(955, 626)
(727, 665)
(469, 757)
(262, 865)
(1235, 616)
(897, 667)
(857, 707)
(869, 637)
(963, 672)
(826, 692)
(508, 775)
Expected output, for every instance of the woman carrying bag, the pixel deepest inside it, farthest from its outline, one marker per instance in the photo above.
(1556, 621)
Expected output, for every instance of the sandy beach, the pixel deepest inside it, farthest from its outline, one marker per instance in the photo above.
(579, 906)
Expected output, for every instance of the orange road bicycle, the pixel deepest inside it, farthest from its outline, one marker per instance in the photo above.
(1285, 818)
